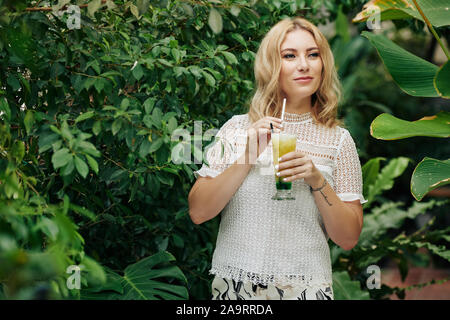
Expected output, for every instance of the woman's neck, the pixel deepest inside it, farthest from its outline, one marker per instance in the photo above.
(298, 106)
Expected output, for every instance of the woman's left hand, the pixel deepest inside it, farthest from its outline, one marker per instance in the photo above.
(297, 165)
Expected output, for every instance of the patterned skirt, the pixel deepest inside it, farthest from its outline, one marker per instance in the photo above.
(227, 289)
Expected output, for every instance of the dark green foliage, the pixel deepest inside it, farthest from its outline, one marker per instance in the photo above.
(87, 122)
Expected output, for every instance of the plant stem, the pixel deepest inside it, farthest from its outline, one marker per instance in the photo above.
(432, 29)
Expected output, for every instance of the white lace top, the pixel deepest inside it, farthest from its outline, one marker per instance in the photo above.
(280, 242)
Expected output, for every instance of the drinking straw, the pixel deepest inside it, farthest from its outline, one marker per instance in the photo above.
(282, 111)
(271, 127)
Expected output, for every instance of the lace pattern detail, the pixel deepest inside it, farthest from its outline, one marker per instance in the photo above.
(267, 241)
(238, 274)
(347, 173)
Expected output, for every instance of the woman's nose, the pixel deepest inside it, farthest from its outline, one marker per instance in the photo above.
(302, 64)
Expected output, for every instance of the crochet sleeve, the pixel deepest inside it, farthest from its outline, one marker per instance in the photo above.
(221, 153)
(347, 174)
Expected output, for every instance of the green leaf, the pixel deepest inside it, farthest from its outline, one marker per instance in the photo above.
(413, 75)
(83, 211)
(370, 172)
(388, 127)
(28, 121)
(46, 140)
(81, 166)
(390, 216)
(149, 104)
(84, 116)
(148, 280)
(65, 131)
(344, 288)
(124, 104)
(235, 10)
(157, 117)
(156, 145)
(88, 147)
(385, 180)
(134, 10)
(137, 72)
(92, 163)
(93, 6)
(61, 157)
(144, 149)
(209, 79)
(436, 11)
(143, 6)
(196, 71)
(231, 58)
(172, 124)
(441, 250)
(97, 127)
(239, 38)
(68, 168)
(442, 80)
(99, 85)
(117, 124)
(219, 62)
(18, 150)
(111, 289)
(428, 175)
(94, 65)
(4, 106)
(342, 27)
(215, 21)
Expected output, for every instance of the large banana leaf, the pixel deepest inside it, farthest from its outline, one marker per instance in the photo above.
(413, 75)
(428, 175)
(437, 11)
(148, 279)
(388, 127)
(442, 80)
(346, 289)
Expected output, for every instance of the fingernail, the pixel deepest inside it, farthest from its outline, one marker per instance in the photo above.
(278, 174)
(276, 167)
(279, 159)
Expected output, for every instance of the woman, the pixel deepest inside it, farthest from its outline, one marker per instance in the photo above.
(268, 249)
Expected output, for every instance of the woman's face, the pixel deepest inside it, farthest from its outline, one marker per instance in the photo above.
(300, 58)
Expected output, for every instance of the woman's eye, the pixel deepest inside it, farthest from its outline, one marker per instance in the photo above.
(315, 54)
(289, 55)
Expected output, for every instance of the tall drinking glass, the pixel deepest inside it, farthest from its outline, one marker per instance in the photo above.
(282, 143)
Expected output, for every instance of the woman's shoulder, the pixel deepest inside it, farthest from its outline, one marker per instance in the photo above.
(332, 135)
(238, 121)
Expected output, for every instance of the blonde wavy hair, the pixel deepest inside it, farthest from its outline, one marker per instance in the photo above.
(267, 100)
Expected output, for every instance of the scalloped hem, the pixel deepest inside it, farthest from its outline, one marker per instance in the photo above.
(254, 278)
(352, 197)
(206, 172)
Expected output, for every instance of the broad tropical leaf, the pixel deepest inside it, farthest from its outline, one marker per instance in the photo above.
(428, 175)
(148, 279)
(413, 75)
(388, 127)
(442, 80)
(435, 10)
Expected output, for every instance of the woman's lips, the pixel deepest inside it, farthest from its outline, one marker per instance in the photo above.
(303, 79)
